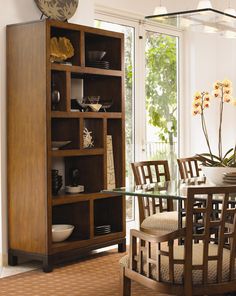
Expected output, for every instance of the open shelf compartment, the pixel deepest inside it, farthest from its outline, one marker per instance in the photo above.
(114, 128)
(111, 45)
(96, 85)
(95, 126)
(108, 211)
(58, 88)
(76, 214)
(66, 129)
(74, 37)
(90, 172)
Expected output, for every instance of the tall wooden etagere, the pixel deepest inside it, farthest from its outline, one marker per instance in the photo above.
(32, 127)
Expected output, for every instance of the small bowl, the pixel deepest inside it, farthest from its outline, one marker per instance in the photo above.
(61, 232)
(95, 107)
(59, 144)
(74, 189)
(95, 55)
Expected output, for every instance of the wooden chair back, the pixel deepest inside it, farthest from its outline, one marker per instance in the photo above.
(189, 167)
(224, 223)
(141, 254)
(147, 172)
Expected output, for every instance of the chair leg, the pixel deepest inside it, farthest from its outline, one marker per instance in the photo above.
(125, 284)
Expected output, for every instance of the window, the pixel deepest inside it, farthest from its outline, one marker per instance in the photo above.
(152, 91)
(161, 59)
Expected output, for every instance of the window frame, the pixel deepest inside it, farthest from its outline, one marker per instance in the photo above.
(140, 26)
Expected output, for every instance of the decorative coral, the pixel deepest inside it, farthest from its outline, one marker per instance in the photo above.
(61, 49)
(87, 139)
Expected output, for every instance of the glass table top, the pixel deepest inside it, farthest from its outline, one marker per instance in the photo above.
(176, 189)
(205, 20)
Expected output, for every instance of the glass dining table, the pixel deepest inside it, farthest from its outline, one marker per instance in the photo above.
(175, 190)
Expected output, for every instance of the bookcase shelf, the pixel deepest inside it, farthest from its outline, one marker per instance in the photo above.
(37, 124)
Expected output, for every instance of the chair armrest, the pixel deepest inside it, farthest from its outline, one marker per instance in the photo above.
(153, 236)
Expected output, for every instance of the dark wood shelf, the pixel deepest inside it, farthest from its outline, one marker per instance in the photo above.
(77, 152)
(98, 237)
(82, 243)
(75, 114)
(63, 198)
(86, 70)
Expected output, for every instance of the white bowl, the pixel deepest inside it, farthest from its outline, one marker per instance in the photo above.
(216, 174)
(74, 189)
(61, 232)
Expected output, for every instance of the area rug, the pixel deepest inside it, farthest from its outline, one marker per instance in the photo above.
(97, 275)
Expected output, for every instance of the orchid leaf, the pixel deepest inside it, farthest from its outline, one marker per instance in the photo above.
(210, 155)
(230, 150)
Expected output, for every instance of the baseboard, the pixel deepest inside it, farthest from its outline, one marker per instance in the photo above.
(3, 260)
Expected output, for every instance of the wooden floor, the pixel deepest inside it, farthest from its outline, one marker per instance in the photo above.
(98, 275)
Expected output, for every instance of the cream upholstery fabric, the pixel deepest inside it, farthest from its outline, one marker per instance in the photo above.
(162, 221)
(197, 260)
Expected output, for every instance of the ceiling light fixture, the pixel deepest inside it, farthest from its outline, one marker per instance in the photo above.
(203, 4)
(230, 10)
(160, 9)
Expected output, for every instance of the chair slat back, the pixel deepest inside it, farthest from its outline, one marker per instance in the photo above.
(147, 172)
(199, 260)
(224, 224)
(189, 167)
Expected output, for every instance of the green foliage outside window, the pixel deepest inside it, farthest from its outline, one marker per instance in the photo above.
(161, 85)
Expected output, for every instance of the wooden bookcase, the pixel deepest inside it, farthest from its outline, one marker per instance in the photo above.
(33, 125)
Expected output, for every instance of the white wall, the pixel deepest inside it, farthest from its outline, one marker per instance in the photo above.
(209, 58)
(16, 11)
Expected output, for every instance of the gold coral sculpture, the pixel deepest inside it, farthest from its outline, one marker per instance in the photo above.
(61, 49)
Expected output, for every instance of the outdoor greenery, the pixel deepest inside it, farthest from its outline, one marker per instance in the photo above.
(161, 85)
(161, 92)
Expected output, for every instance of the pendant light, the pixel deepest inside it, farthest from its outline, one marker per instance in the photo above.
(230, 10)
(160, 9)
(204, 4)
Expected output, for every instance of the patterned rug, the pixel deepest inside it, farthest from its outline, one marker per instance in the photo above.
(97, 275)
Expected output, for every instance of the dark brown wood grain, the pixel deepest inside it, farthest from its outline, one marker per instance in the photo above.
(146, 172)
(189, 167)
(27, 136)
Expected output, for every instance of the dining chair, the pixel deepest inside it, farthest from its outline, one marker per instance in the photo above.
(155, 214)
(189, 167)
(202, 268)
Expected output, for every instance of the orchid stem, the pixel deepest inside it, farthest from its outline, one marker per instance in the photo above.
(220, 125)
(204, 128)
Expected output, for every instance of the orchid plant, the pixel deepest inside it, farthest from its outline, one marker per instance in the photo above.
(223, 92)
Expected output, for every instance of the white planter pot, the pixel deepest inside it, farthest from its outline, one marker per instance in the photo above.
(215, 174)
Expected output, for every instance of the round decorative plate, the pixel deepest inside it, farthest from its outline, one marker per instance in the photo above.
(60, 10)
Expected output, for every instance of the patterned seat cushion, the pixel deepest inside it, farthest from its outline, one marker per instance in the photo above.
(162, 221)
(197, 260)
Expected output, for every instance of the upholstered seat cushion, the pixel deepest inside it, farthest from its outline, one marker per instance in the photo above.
(162, 221)
(197, 260)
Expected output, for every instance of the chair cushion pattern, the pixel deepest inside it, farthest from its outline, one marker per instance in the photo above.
(197, 260)
(161, 221)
